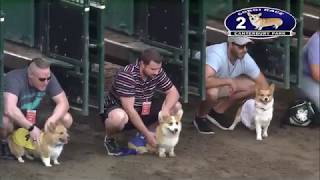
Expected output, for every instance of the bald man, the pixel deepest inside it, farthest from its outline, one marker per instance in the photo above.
(23, 92)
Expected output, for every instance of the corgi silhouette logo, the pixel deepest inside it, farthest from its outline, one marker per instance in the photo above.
(260, 23)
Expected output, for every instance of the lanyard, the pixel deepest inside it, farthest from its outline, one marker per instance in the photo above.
(230, 72)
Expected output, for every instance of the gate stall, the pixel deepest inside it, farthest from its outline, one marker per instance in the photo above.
(69, 33)
(77, 35)
(176, 28)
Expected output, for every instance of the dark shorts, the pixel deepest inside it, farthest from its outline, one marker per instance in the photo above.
(111, 103)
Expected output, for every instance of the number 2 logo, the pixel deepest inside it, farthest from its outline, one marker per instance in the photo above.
(241, 21)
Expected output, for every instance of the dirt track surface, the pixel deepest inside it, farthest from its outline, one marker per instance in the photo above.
(287, 154)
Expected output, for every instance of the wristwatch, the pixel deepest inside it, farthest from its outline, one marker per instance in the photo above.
(31, 128)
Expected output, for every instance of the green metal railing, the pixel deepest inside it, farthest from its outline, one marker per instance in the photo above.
(185, 74)
(82, 66)
(100, 48)
(97, 43)
(197, 36)
(1, 63)
(299, 27)
(75, 2)
(85, 60)
(202, 26)
(286, 42)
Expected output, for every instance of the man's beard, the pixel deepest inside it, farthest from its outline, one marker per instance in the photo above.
(146, 75)
(241, 56)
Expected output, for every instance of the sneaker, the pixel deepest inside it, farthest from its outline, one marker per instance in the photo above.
(220, 118)
(138, 143)
(5, 151)
(202, 125)
(112, 147)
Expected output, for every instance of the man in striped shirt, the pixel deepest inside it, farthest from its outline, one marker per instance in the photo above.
(129, 102)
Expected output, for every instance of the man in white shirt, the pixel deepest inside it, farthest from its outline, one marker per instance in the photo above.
(231, 75)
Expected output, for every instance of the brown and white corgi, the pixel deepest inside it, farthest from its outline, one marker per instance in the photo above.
(260, 23)
(49, 148)
(168, 132)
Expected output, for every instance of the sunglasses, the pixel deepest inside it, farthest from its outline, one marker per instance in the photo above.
(240, 46)
(43, 79)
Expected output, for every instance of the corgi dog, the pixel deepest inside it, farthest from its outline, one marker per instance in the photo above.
(260, 23)
(255, 114)
(49, 148)
(167, 133)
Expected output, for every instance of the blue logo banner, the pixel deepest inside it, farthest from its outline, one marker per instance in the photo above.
(260, 23)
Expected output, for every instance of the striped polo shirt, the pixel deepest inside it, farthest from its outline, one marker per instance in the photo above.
(129, 83)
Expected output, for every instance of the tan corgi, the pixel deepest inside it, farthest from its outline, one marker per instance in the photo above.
(167, 133)
(50, 146)
(260, 23)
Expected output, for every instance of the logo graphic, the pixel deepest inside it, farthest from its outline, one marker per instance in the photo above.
(260, 23)
(302, 115)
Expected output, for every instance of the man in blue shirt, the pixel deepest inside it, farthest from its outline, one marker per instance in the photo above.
(231, 75)
(310, 83)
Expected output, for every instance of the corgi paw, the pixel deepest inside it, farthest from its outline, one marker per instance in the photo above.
(162, 152)
(48, 165)
(265, 135)
(259, 138)
(172, 154)
(46, 162)
(56, 162)
(20, 160)
(162, 155)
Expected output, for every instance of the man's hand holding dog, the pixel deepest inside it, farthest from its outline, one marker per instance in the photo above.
(151, 138)
(35, 134)
(232, 85)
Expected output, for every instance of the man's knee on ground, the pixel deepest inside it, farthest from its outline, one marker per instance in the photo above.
(212, 94)
(251, 88)
(67, 120)
(117, 119)
(245, 84)
(7, 126)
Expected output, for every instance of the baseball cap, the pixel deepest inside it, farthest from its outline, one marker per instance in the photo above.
(240, 40)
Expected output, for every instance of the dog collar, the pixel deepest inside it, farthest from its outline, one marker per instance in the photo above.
(265, 107)
(262, 108)
(59, 145)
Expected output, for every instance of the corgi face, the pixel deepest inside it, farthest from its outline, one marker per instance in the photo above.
(171, 125)
(58, 134)
(265, 95)
(253, 17)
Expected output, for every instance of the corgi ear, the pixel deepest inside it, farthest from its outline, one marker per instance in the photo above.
(179, 114)
(272, 86)
(160, 117)
(248, 13)
(257, 90)
(259, 14)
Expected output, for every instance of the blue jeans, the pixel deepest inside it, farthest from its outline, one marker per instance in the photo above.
(310, 89)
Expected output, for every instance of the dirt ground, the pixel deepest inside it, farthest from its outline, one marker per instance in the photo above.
(287, 154)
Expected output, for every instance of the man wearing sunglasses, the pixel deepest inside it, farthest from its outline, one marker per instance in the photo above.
(231, 75)
(23, 91)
